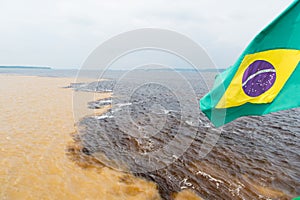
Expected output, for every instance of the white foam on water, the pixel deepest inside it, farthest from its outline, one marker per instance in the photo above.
(105, 101)
(120, 105)
(210, 178)
(192, 123)
(117, 107)
(103, 117)
(185, 184)
(236, 191)
(165, 112)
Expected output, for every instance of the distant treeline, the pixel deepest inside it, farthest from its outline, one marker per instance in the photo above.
(23, 67)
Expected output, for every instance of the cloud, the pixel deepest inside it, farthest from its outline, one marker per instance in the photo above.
(61, 33)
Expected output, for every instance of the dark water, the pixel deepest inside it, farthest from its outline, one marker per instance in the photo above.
(150, 132)
(156, 131)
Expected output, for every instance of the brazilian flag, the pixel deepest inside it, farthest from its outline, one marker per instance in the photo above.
(266, 77)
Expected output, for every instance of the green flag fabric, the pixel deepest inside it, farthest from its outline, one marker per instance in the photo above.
(266, 77)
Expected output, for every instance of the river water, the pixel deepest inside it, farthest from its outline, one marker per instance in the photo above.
(154, 130)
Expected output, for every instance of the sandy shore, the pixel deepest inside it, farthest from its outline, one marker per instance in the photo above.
(36, 123)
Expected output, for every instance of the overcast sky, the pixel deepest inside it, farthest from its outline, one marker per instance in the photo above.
(62, 33)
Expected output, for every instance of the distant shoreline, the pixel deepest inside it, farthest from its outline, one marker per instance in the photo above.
(23, 67)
